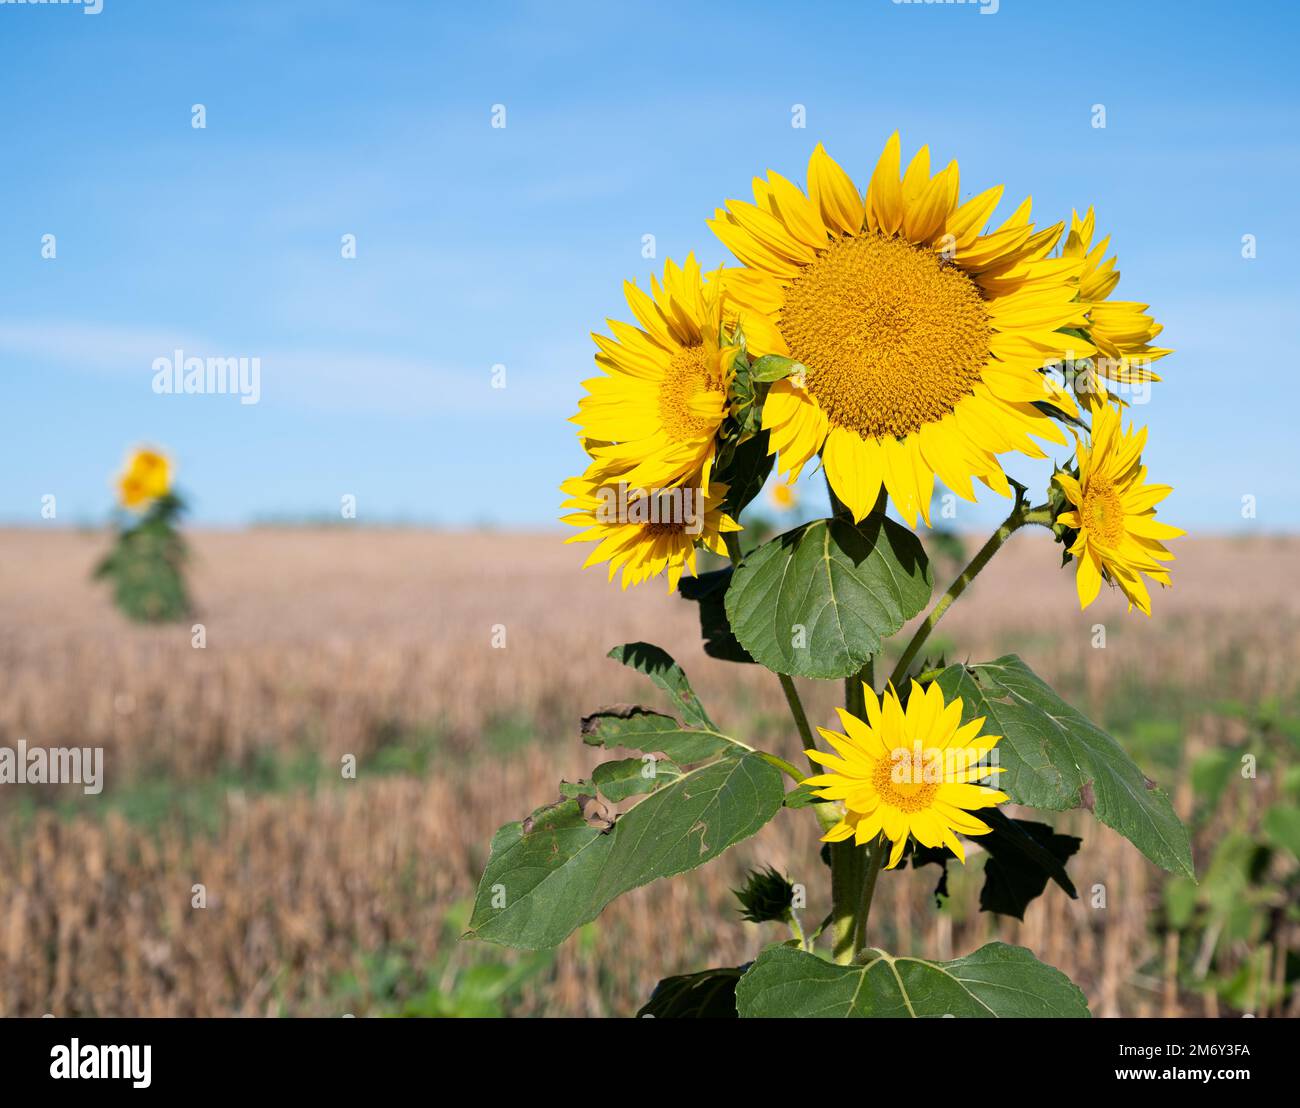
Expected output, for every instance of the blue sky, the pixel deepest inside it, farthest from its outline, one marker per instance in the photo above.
(479, 246)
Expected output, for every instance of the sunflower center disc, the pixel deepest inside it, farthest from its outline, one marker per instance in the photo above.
(901, 781)
(692, 372)
(1104, 513)
(892, 337)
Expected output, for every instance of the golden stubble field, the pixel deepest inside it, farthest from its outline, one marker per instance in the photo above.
(326, 895)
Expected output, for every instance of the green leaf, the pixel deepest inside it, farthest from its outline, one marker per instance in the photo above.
(709, 591)
(658, 665)
(801, 796)
(816, 601)
(642, 729)
(1180, 896)
(1211, 773)
(632, 777)
(709, 994)
(997, 980)
(744, 470)
(557, 870)
(1283, 827)
(1056, 759)
(774, 367)
(1023, 854)
(561, 872)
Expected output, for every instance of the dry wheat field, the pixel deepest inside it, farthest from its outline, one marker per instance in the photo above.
(327, 895)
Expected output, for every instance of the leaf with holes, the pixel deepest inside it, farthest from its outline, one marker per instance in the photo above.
(657, 664)
(628, 777)
(642, 729)
(557, 870)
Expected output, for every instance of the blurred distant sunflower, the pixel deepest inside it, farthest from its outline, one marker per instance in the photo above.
(653, 417)
(908, 772)
(923, 337)
(1120, 329)
(644, 534)
(146, 478)
(1114, 513)
(784, 496)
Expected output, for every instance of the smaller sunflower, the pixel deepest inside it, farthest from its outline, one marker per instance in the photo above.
(146, 478)
(654, 416)
(910, 771)
(644, 533)
(1115, 515)
(1120, 329)
(784, 497)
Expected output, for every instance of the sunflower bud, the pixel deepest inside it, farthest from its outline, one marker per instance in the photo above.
(766, 897)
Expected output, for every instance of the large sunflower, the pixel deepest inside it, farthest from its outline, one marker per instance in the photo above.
(642, 533)
(910, 771)
(923, 337)
(1114, 512)
(1120, 329)
(655, 414)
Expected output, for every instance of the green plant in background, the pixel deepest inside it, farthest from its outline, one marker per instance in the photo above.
(471, 986)
(893, 339)
(1238, 932)
(461, 983)
(147, 562)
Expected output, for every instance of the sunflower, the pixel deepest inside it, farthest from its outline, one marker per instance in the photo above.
(644, 533)
(1115, 515)
(908, 771)
(654, 416)
(147, 477)
(1120, 329)
(922, 338)
(784, 497)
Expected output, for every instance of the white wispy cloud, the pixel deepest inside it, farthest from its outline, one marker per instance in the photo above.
(328, 379)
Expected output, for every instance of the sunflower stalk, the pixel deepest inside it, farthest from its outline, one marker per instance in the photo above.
(849, 865)
(1020, 517)
(853, 872)
(878, 849)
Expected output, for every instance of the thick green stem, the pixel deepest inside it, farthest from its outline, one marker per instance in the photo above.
(878, 851)
(854, 869)
(854, 700)
(852, 872)
(848, 875)
(1020, 516)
